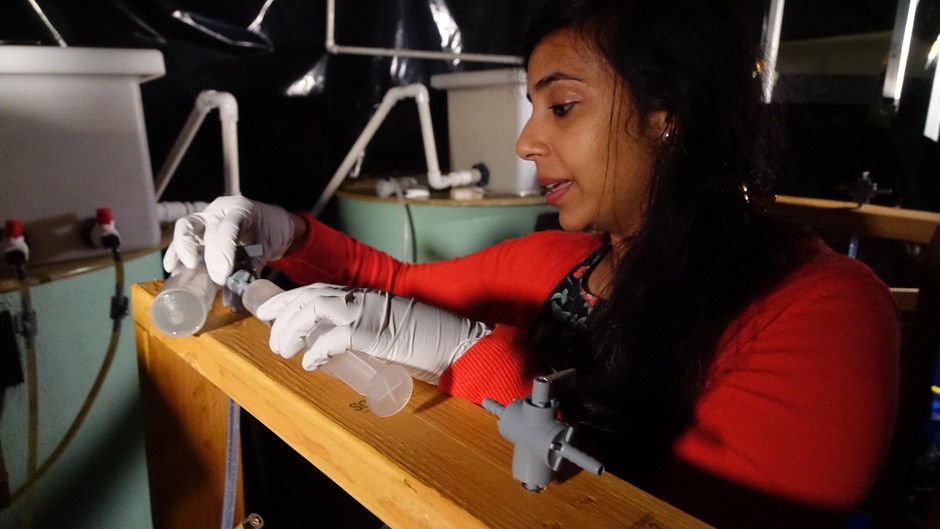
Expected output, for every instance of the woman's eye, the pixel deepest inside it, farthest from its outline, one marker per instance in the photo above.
(561, 109)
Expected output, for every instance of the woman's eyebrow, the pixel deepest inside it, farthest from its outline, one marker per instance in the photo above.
(552, 77)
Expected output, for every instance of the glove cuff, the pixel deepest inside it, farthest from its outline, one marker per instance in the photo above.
(278, 229)
(492, 368)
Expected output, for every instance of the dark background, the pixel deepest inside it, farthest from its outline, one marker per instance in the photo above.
(291, 140)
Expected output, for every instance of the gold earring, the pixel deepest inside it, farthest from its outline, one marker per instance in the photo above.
(742, 187)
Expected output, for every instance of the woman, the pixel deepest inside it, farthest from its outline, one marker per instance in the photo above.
(736, 368)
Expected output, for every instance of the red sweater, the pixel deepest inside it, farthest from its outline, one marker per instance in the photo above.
(799, 404)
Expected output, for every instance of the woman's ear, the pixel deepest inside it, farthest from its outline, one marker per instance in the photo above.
(658, 125)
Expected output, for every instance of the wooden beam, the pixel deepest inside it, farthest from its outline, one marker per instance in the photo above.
(439, 463)
(870, 220)
(186, 475)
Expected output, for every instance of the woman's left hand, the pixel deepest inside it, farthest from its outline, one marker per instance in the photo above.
(424, 339)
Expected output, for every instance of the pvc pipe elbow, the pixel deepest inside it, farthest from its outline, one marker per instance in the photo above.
(420, 93)
(436, 180)
(415, 90)
(224, 101)
(454, 179)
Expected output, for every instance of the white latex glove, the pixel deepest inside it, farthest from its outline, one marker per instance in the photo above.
(423, 339)
(225, 223)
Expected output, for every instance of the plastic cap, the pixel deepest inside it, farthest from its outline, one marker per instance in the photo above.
(13, 228)
(103, 216)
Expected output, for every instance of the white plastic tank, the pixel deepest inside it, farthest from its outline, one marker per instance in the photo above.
(486, 111)
(72, 140)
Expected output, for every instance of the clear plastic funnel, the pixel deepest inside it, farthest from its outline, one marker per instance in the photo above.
(386, 387)
(181, 307)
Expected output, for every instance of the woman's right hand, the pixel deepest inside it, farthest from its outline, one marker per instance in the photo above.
(226, 223)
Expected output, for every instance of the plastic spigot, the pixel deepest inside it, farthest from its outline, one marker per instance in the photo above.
(541, 440)
(13, 246)
(246, 270)
(100, 232)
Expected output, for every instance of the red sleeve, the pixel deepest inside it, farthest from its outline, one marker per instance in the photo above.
(328, 256)
(800, 404)
(504, 283)
(495, 367)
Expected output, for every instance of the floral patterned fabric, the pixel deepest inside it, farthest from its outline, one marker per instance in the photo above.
(570, 302)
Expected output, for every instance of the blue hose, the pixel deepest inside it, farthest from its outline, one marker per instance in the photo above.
(231, 465)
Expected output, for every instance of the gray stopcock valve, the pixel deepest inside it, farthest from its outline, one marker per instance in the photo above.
(540, 440)
(244, 272)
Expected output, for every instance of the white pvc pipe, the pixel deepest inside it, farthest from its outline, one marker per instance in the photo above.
(435, 178)
(422, 99)
(455, 179)
(773, 22)
(900, 50)
(170, 212)
(178, 150)
(337, 49)
(932, 123)
(45, 21)
(420, 93)
(206, 101)
(230, 158)
(391, 97)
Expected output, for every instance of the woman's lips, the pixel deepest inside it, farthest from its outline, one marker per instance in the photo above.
(554, 189)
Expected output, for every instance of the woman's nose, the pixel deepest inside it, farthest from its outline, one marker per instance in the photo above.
(529, 146)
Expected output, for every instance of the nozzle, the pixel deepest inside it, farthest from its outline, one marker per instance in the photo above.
(493, 407)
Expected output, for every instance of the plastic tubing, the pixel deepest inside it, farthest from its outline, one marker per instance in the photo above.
(392, 186)
(386, 387)
(76, 423)
(231, 464)
(34, 476)
(32, 439)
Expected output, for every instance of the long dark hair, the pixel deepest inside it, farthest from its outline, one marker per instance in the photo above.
(704, 252)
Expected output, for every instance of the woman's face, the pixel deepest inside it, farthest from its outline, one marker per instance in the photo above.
(593, 154)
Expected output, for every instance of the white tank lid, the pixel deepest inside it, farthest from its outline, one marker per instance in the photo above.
(55, 60)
